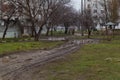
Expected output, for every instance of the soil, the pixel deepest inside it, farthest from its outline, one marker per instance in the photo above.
(23, 65)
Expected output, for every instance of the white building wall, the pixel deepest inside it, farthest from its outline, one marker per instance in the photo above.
(11, 32)
(95, 6)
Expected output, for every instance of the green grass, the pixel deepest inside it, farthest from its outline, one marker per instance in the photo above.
(11, 47)
(92, 62)
(57, 34)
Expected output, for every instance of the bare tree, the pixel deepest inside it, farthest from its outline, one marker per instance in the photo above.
(88, 21)
(10, 14)
(39, 12)
(55, 19)
(68, 18)
(111, 8)
(64, 15)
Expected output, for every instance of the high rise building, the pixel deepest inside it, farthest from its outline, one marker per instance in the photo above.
(95, 7)
(98, 9)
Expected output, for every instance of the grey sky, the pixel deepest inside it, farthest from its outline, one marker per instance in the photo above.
(76, 4)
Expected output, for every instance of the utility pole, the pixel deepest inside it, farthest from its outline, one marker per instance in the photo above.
(1, 6)
(0, 9)
(85, 2)
(82, 14)
(82, 6)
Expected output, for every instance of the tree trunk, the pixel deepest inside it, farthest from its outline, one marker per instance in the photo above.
(66, 30)
(89, 33)
(32, 34)
(106, 30)
(107, 34)
(51, 31)
(48, 30)
(5, 31)
(114, 32)
(73, 31)
(37, 35)
(82, 31)
(55, 29)
(33, 30)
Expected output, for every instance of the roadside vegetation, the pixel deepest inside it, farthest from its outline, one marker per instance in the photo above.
(12, 47)
(92, 62)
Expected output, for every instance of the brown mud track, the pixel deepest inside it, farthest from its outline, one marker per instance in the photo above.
(22, 66)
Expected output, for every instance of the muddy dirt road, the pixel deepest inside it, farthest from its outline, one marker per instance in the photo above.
(23, 65)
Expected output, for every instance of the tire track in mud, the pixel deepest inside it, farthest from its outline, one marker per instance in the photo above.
(21, 69)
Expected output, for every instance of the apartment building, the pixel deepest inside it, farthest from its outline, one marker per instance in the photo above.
(96, 9)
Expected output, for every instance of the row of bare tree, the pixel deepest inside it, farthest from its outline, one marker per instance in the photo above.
(37, 13)
(110, 14)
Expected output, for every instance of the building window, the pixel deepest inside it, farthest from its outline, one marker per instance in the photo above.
(88, 0)
(102, 11)
(95, 11)
(88, 6)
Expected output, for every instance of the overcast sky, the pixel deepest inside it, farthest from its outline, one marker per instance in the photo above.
(76, 4)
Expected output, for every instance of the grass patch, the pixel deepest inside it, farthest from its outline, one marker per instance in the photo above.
(92, 62)
(56, 34)
(6, 48)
